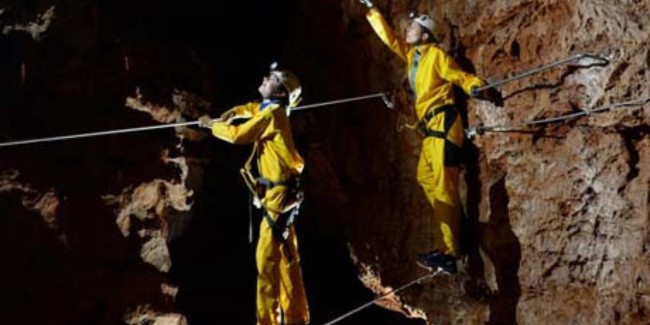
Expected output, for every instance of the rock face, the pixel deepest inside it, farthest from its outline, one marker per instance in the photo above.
(85, 224)
(556, 226)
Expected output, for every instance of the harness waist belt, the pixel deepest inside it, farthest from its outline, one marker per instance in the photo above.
(270, 184)
(429, 115)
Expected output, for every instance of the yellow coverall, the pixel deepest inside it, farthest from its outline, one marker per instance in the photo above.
(279, 278)
(438, 169)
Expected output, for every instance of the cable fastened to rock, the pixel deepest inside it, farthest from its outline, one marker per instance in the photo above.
(382, 95)
(602, 61)
(364, 306)
(480, 128)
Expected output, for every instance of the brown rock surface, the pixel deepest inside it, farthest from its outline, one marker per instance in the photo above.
(557, 218)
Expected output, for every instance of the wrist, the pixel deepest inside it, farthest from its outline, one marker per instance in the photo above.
(367, 3)
(473, 91)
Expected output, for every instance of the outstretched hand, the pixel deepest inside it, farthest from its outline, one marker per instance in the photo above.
(205, 121)
(367, 3)
(490, 94)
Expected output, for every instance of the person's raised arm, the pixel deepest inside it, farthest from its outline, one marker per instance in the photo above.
(385, 31)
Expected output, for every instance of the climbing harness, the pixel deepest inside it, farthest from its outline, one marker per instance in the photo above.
(257, 187)
(452, 151)
(480, 129)
(601, 60)
(280, 229)
(286, 217)
(383, 95)
(250, 217)
(366, 305)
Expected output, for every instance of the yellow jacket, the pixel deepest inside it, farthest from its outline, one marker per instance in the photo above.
(270, 129)
(436, 73)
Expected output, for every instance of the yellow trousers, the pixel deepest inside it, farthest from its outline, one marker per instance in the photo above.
(279, 280)
(440, 185)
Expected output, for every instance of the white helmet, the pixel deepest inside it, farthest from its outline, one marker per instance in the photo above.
(423, 20)
(290, 82)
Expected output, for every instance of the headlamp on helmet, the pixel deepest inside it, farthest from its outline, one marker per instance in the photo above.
(290, 82)
(423, 20)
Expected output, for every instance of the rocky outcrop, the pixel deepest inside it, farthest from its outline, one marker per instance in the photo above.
(36, 27)
(556, 225)
(42, 202)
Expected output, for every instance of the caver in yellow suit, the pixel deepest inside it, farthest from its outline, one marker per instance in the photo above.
(279, 282)
(432, 74)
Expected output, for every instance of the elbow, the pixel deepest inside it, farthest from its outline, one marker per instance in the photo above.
(238, 141)
(237, 138)
(225, 137)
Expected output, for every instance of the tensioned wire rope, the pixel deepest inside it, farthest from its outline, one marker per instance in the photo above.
(585, 112)
(394, 291)
(171, 125)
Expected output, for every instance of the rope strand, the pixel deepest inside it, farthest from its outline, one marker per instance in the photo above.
(364, 306)
(505, 127)
(543, 68)
(340, 101)
(165, 126)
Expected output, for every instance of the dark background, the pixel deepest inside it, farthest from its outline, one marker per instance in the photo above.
(76, 82)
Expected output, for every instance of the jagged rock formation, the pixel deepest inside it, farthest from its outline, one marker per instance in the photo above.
(557, 218)
(35, 27)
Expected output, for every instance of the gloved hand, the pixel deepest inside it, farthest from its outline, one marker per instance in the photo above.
(490, 94)
(205, 121)
(367, 3)
(474, 91)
